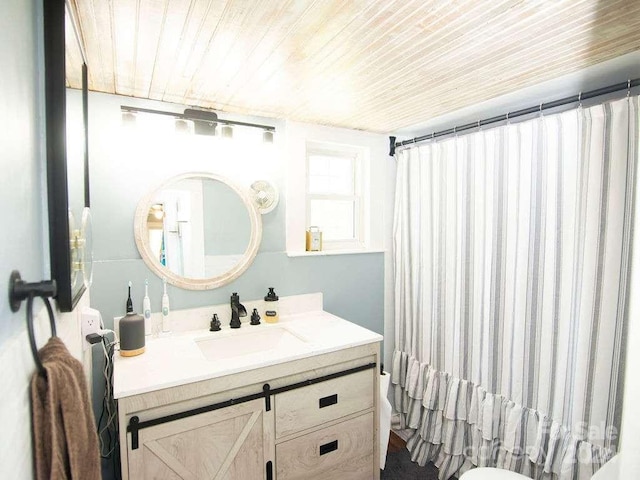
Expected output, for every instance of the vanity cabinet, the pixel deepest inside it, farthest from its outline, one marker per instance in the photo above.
(340, 451)
(225, 443)
(313, 418)
(314, 405)
(330, 450)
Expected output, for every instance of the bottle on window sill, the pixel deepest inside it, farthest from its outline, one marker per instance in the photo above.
(314, 239)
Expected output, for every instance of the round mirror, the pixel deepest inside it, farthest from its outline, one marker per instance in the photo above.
(198, 230)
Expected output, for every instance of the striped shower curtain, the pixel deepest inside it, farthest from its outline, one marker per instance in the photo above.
(511, 253)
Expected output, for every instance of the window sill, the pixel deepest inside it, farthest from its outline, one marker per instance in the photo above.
(323, 253)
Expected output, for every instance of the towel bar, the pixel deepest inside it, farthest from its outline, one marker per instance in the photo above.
(20, 290)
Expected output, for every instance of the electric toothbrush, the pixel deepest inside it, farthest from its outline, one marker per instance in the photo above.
(146, 308)
(129, 302)
(166, 324)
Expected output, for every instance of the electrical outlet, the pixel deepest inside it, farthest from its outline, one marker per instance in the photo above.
(90, 323)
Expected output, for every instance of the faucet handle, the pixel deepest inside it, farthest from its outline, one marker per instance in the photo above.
(215, 323)
(255, 317)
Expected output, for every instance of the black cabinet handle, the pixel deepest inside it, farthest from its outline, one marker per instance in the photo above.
(330, 400)
(269, 470)
(328, 447)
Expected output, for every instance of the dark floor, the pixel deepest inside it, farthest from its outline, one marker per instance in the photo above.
(400, 467)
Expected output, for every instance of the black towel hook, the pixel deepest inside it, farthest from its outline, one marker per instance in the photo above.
(20, 290)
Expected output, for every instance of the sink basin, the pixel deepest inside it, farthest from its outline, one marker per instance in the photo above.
(240, 344)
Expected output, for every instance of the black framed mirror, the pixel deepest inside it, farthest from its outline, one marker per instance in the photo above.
(67, 151)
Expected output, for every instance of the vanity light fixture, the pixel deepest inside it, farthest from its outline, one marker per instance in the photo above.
(204, 121)
(182, 126)
(204, 128)
(226, 131)
(128, 118)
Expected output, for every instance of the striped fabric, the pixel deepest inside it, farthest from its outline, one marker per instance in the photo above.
(511, 253)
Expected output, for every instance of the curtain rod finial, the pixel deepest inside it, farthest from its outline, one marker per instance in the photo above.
(392, 146)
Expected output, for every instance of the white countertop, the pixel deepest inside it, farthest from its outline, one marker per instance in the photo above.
(178, 360)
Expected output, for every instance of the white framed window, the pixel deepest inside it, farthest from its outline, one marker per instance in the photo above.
(334, 195)
(336, 178)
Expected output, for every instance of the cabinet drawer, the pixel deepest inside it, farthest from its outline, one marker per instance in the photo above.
(343, 451)
(317, 404)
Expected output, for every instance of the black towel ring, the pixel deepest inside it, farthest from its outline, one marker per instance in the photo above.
(32, 338)
(20, 290)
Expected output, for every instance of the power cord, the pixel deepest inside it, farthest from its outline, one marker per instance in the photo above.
(108, 420)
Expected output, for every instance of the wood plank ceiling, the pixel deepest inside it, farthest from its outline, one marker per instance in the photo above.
(376, 65)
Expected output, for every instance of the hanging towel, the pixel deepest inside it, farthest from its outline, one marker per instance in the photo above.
(64, 432)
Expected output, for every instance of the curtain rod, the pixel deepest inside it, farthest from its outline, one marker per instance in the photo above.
(628, 85)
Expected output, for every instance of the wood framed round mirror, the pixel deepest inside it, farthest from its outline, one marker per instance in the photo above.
(198, 230)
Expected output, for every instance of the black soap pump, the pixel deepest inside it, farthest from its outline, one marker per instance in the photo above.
(271, 306)
(215, 323)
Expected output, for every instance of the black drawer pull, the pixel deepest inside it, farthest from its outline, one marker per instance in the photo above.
(330, 400)
(328, 447)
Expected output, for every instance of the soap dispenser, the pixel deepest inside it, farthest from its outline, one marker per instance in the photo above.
(131, 329)
(214, 326)
(271, 313)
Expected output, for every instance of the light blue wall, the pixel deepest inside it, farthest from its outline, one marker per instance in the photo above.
(24, 244)
(24, 237)
(122, 172)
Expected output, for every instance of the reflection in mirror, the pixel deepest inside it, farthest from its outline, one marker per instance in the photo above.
(76, 145)
(75, 134)
(74, 121)
(199, 231)
(82, 251)
(198, 228)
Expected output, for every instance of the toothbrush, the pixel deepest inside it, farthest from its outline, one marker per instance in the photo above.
(129, 302)
(166, 325)
(146, 304)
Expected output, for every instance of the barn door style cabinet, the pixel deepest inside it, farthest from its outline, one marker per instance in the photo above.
(225, 443)
(313, 418)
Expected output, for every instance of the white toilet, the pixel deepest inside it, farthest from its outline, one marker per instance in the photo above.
(485, 473)
(609, 471)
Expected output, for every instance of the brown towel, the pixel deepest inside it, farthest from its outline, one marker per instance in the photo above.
(64, 432)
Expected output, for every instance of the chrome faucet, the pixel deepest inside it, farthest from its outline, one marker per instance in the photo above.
(237, 311)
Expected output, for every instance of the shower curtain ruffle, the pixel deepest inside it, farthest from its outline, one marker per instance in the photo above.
(459, 425)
